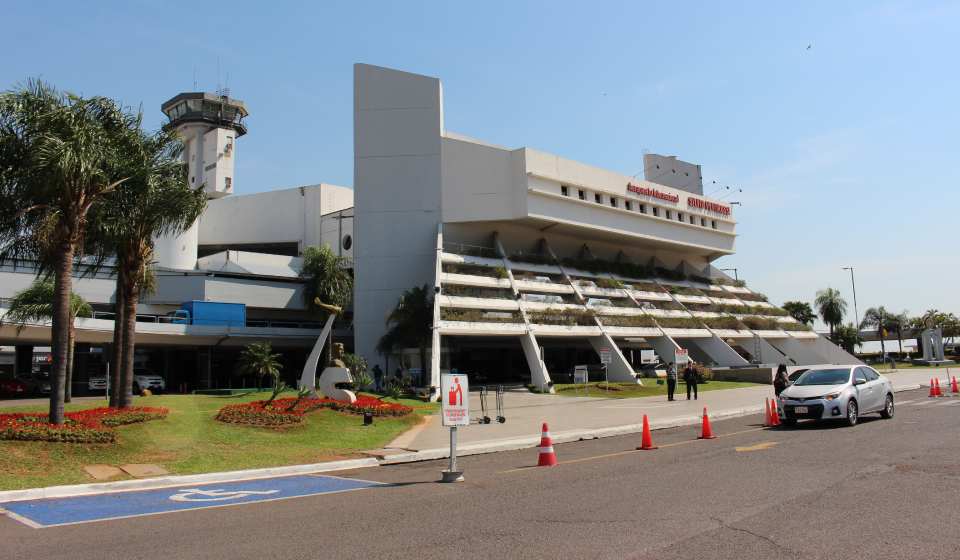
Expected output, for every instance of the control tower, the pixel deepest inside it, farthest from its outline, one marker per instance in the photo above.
(210, 124)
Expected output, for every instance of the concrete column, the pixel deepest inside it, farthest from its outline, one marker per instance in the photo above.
(619, 370)
(719, 351)
(539, 376)
(22, 358)
(798, 351)
(664, 346)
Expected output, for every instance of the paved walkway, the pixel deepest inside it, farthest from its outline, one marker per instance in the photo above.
(573, 418)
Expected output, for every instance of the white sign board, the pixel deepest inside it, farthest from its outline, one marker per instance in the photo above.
(455, 408)
(580, 374)
(606, 355)
(681, 357)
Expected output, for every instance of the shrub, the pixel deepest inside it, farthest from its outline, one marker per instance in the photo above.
(704, 374)
(611, 283)
(648, 287)
(530, 258)
(735, 308)
(775, 311)
(700, 279)
(755, 323)
(740, 283)
(500, 271)
(627, 321)
(462, 291)
(717, 294)
(279, 413)
(601, 266)
(621, 302)
(795, 327)
(726, 323)
(480, 316)
(679, 322)
(752, 297)
(569, 317)
(450, 269)
(96, 425)
(668, 274)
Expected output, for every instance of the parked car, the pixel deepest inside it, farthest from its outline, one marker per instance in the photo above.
(12, 387)
(654, 370)
(38, 383)
(836, 392)
(143, 378)
(792, 378)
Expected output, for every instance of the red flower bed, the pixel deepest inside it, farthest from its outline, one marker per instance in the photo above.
(96, 425)
(276, 414)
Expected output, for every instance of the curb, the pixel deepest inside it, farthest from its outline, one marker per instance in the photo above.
(174, 481)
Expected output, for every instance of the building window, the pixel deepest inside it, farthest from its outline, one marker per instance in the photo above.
(642, 209)
(613, 202)
(656, 211)
(679, 216)
(227, 181)
(626, 204)
(703, 222)
(598, 198)
(583, 196)
(669, 217)
(693, 220)
(563, 191)
(192, 178)
(713, 224)
(347, 242)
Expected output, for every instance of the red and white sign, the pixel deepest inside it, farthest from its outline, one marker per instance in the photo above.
(707, 205)
(653, 192)
(455, 408)
(606, 355)
(681, 357)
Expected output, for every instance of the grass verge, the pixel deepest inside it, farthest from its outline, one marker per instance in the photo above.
(649, 389)
(189, 441)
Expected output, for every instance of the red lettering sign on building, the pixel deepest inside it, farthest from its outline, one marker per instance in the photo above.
(707, 205)
(653, 192)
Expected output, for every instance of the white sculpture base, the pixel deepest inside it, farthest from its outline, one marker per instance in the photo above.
(328, 381)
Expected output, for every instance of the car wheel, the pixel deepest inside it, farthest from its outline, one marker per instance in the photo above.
(888, 410)
(136, 388)
(789, 423)
(851, 419)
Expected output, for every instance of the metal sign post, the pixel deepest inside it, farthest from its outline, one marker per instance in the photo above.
(606, 357)
(455, 411)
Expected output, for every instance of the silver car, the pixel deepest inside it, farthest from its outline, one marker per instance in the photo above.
(836, 392)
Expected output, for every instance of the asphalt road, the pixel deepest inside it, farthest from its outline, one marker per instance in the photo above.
(885, 489)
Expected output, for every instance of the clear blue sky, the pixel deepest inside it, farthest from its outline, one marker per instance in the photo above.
(846, 152)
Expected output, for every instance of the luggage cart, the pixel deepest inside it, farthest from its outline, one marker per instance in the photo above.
(485, 409)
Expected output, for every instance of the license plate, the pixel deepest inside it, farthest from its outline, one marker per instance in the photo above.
(801, 410)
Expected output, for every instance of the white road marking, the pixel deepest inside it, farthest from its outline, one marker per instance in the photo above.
(214, 495)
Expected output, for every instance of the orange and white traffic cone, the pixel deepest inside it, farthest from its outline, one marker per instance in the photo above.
(933, 391)
(769, 422)
(955, 390)
(707, 434)
(937, 381)
(775, 412)
(547, 457)
(646, 442)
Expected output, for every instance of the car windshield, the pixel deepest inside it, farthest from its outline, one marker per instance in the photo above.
(796, 375)
(825, 377)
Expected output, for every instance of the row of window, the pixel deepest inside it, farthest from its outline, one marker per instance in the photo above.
(641, 208)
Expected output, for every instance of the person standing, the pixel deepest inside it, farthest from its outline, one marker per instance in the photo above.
(690, 376)
(671, 381)
(377, 377)
(781, 380)
(398, 375)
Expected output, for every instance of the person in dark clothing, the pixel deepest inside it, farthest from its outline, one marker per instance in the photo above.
(690, 376)
(671, 381)
(377, 377)
(780, 381)
(398, 375)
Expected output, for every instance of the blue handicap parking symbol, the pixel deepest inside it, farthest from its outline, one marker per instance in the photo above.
(83, 509)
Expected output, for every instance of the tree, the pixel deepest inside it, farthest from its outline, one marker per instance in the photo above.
(257, 360)
(156, 200)
(831, 307)
(876, 317)
(800, 311)
(56, 153)
(846, 336)
(326, 277)
(898, 323)
(35, 304)
(412, 321)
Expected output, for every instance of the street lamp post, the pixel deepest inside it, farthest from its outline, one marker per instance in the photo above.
(854, 284)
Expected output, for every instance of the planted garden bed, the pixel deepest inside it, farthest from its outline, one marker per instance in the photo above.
(479, 316)
(628, 321)
(288, 412)
(569, 317)
(96, 425)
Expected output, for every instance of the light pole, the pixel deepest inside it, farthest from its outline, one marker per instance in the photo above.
(854, 284)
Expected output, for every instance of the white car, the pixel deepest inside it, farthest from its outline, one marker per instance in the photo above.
(143, 378)
(836, 392)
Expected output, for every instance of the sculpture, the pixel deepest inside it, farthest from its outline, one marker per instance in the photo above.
(333, 375)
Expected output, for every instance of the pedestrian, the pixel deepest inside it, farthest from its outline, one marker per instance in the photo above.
(780, 382)
(377, 377)
(671, 381)
(398, 375)
(690, 376)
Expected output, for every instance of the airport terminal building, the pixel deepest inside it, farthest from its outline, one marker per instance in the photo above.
(536, 262)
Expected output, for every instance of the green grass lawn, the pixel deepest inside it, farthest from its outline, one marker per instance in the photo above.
(190, 442)
(649, 389)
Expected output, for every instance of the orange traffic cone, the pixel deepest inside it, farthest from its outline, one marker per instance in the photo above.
(955, 390)
(933, 391)
(547, 458)
(707, 434)
(769, 421)
(775, 412)
(937, 381)
(646, 442)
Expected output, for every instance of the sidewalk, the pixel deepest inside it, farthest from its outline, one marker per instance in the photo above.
(573, 418)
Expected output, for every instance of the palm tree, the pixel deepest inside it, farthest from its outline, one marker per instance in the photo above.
(412, 321)
(800, 311)
(831, 307)
(326, 277)
(898, 322)
(257, 360)
(155, 201)
(876, 317)
(56, 164)
(35, 304)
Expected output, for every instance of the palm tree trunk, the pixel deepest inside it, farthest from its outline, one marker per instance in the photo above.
(117, 346)
(130, 297)
(59, 337)
(68, 383)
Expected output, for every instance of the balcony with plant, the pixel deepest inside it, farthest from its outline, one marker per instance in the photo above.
(636, 321)
(453, 290)
(700, 279)
(498, 271)
(718, 294)
(753, 296)
(479, 316)
(795, 327)
(756, 323)
(679, 323)
(684, 291)
(723, 323)
(648, 287)
(570, 317)
(471, 250)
